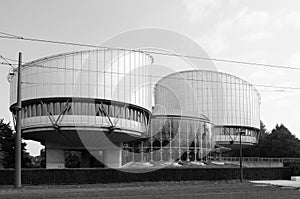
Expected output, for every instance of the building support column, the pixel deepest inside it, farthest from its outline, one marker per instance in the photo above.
(113, 157)
(55, 157)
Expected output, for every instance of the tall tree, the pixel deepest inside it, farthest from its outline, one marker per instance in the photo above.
(2, 155)
(282, 143)
(279, 143)
(7, 143)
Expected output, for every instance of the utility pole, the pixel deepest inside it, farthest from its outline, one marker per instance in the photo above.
(241, 156)
(18, 109)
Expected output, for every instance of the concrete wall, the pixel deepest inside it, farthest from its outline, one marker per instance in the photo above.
(256, 164)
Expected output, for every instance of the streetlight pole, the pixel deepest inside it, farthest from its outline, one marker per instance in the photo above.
(18, 128)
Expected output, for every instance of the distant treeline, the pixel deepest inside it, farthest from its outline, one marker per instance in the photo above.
(280, 143)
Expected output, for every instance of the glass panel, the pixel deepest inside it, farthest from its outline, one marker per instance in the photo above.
(23, 112)
(92, 109)
(122, 112)
(98, 110)
(105, 107)
(57, 108)
(78, 109)
(111, 111)
(33, 112)
(69, 110)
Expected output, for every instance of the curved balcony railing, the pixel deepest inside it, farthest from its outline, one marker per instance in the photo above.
(235, 139)
(80, 121)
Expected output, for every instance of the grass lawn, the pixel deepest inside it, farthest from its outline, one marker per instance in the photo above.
(162, 190)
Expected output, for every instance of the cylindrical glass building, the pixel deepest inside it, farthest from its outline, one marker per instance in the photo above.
(230, 103)
(69, 100)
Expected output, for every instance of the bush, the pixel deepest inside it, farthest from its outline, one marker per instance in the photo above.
(294, 166)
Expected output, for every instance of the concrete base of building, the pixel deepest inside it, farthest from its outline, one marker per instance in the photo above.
(113, 158)
(55, 156)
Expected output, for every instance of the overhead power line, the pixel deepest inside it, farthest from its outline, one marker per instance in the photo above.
(7, 34)
(154, 76)
(14, 60)
(59, 42)
(11, 36)
(150, 76)
(6, 61)
(281, 87)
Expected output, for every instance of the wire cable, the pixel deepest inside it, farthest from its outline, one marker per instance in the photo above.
(8, 34)
(283, 88)
(6, 61)
(11, 36)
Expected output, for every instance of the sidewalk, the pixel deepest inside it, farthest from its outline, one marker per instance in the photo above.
(284, 183)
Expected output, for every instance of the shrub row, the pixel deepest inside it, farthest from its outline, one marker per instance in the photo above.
(88, 176)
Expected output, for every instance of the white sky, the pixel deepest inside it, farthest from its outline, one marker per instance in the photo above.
(257, 31)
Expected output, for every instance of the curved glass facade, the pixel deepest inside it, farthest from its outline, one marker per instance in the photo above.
(229, 103)
(75, 89)
(225, 99)
(173, 138)
(88, 92)
(116, 75)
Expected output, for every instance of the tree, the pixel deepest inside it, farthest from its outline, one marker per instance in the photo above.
(279, 143)
(2, 155)
(282, 143)
(7, 143)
